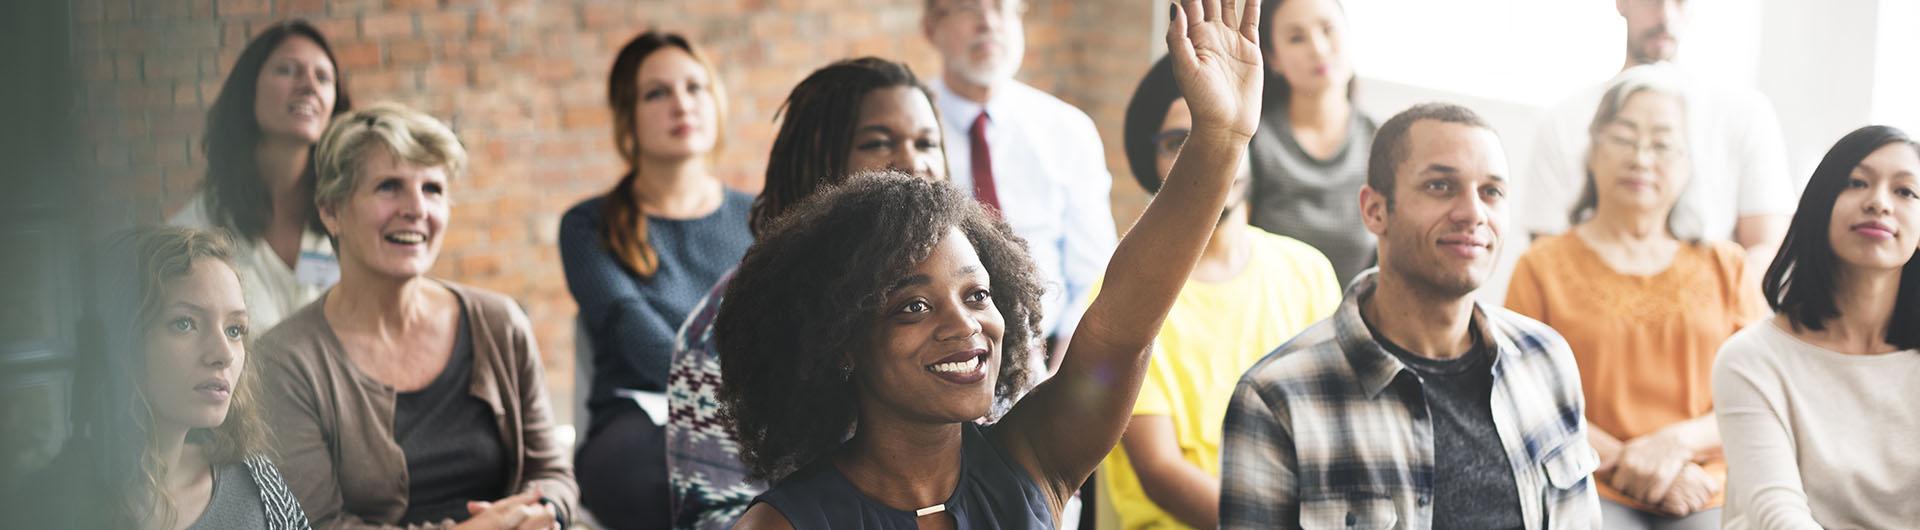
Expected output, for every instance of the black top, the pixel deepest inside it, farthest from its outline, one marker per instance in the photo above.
(1473, 487)
(631, 321)
(993, 492)
(451, 443)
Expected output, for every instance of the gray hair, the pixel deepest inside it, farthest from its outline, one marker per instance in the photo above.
(1658, 78)
(409, 135)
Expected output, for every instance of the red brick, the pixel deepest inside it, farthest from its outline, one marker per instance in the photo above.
(412, 5)
(578, 118)
(444, 25)
(302, 8)
(357, 55)
(386, 25)
(338, 30)
(407, 53)
(372, 85)
(237, 8)
(445, 77)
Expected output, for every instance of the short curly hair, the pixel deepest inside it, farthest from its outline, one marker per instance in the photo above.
(810, 291)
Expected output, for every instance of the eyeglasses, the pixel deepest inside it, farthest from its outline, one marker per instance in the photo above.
(1662, 149)
(1168, 142)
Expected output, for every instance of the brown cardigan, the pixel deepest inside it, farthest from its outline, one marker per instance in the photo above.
(333, 424)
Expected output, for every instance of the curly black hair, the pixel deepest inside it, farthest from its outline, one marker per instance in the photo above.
(809, 293)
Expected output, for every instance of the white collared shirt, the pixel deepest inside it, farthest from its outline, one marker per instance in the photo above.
(1050, 175)
(272, 289)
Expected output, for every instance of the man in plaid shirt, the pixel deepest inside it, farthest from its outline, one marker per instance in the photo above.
(1413, 407)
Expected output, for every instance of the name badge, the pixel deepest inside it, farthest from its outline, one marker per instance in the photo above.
(316, 269)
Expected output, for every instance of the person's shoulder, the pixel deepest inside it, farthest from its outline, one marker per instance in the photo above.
(1046, 105)
(1758, 344)
(1313, 355)
(194, 215)
(1552, 250)
(1726, 256)
(486, 304)
(1285, 254)
(299, 336)
(1530, 335)
(588, 212)
(763, 516)
(732, 198)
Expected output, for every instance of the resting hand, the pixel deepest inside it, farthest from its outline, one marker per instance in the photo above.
(1216, 61)
(1690, 492)
(1648, 465)
(519, 512)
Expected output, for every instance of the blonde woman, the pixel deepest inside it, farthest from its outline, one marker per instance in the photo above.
(399, 399)
(168, 435)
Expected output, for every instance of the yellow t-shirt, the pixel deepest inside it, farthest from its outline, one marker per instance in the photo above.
(1213, 334)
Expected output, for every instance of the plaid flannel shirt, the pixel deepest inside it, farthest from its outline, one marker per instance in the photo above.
(1331, 431)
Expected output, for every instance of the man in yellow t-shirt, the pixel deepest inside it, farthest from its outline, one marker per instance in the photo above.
(1251, 291)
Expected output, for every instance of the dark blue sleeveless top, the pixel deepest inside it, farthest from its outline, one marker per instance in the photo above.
(993, 492)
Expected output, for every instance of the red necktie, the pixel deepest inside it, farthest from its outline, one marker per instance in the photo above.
(983, 189)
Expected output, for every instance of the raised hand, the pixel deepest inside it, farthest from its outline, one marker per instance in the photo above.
(1216, 61)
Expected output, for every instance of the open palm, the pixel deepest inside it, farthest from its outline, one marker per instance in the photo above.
(1216, 60)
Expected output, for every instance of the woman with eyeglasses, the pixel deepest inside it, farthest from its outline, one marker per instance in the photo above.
(1645, 304)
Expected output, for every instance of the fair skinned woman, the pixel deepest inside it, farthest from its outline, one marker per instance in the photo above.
(851, 116)
(1645, 347)
(910, 313)
(1250, 292)
(1310, 157)
(399, 399)
(168, 429)
(1816, 403)
(284, 90)
(638, 257)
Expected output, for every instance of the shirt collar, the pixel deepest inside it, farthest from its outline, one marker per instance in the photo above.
(1373, 368)
(961, 111)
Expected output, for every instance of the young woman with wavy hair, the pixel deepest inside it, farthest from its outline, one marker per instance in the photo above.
(167, 432)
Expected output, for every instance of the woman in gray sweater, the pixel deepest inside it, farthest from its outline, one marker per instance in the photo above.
(169, 436)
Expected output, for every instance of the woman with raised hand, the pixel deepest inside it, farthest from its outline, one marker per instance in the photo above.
(865, 334)
(1645, 304)
(851, 116)
(283, 91)
(638, 257)
(397, 399)
(167, 427)
(1817, 403)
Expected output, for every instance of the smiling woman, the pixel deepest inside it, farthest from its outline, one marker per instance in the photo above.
(284, 90)
(399, 399)
(874, 325)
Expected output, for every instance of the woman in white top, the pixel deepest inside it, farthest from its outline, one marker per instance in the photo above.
(283, 91)
(1817, 409)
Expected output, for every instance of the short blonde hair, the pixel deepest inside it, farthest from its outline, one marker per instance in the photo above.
(409, 135)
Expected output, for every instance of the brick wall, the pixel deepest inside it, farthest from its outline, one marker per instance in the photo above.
(523, 84)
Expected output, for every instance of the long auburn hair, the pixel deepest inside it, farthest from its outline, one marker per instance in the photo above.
(626, 229)
(112, 457)
(236, 198)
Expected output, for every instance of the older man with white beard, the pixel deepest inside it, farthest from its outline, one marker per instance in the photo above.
(1024, 153)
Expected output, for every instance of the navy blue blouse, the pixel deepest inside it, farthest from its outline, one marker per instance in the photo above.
(993, 492)
(632, 320)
